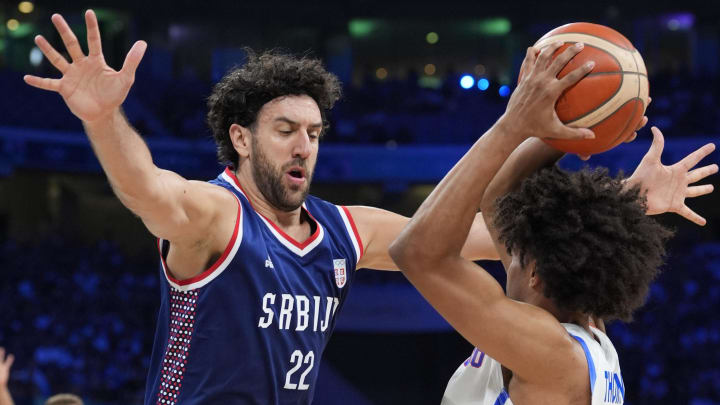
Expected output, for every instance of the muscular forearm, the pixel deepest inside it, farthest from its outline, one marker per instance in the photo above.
(124, 157)
(441, 225)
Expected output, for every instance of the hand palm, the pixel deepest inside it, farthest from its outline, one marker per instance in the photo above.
(667, 187)
(90, 88)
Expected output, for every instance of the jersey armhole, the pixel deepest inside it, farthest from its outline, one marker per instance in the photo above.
(352, 232)
(213, 271)
(589, 360)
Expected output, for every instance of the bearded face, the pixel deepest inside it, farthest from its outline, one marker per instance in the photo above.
(285, 186)
(280, 149)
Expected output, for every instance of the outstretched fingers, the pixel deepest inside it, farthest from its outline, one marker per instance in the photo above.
(133, 58)
(51, 54)
(6, 362)
(691, 215)
(696, 175)
(697, 191)
(658, 144)
(694, 158)
(93, 34)
(68, 37)
(43, 82)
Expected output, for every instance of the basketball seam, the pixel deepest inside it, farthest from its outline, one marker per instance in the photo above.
(610, 115)
(634, 109)
(622, 80)
(624, 72)
(628, 121)
(632, 50)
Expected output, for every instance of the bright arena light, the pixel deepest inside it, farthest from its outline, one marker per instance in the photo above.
(381, 73)
(467, 82)
(504, 91)
(483, 84)
(432, 38)
(12, 24)
(26, 7)
(36, 56)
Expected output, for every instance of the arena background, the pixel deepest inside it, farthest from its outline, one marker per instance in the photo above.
(79, 280)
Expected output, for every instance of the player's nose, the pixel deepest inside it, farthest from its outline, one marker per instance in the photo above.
(302, 146)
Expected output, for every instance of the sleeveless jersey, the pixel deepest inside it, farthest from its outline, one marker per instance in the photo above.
(251, 329)
(479, 380)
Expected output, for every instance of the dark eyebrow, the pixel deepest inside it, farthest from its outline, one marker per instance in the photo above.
(291, 122)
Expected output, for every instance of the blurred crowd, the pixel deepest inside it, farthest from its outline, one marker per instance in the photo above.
(77, 319)
(81, 318)
(398, 111)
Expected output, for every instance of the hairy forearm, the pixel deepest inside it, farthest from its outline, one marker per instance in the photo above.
(124, 157)
(441, 225)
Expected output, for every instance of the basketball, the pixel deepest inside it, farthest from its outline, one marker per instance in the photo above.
(611, 100)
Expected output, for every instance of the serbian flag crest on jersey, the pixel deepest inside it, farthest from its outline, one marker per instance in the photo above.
(340, 274)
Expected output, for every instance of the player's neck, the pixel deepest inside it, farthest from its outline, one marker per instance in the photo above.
(564, 316)
(576, 318)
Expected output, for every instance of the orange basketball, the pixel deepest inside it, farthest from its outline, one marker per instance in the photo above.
(611, 99)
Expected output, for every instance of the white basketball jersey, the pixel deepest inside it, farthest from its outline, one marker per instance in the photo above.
(479, 380)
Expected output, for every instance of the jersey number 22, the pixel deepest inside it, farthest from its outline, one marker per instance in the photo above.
(298, 359)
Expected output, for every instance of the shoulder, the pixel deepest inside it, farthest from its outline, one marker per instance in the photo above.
(215, 195)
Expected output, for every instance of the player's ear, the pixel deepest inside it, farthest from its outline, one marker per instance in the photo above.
(240, 138)
(533, 279)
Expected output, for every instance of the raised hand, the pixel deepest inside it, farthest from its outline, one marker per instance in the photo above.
(5, 365)
(667, 187)
(91, 89)
(532, 106)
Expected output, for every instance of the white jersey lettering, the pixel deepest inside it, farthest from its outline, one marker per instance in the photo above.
(298, 307)
(303, 307)
(286, 311)
(265, 321)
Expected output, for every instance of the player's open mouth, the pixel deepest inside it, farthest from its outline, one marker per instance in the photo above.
(296, 175)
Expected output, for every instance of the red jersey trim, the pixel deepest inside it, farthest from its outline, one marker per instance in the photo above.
(215, 265)
(299, 245)
(355, 231)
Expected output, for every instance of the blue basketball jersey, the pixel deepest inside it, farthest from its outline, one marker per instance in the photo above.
(251, 329)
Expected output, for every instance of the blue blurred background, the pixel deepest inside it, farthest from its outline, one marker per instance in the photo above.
(79, 284)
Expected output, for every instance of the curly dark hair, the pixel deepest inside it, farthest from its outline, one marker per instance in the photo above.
(242, 92)
(594, 248)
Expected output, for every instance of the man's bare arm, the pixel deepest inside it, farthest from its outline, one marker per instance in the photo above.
(171, 206)
(378, 228)
(518, 335)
